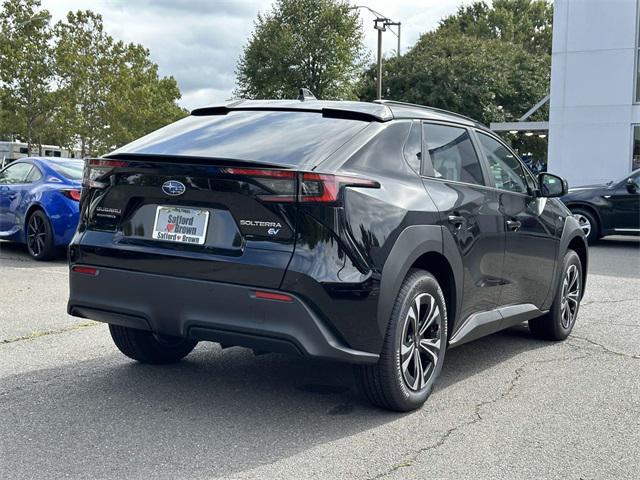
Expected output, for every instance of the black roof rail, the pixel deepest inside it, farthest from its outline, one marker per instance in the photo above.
(433, 109)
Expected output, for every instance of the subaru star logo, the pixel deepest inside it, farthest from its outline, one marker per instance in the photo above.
(173, 188)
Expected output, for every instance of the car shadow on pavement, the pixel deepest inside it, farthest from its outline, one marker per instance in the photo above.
(217, 411)
(18, 252)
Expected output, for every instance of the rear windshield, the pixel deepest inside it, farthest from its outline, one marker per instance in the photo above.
(71, 170)
(276, 137)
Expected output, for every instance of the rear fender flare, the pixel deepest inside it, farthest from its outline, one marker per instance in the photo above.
(412, 243)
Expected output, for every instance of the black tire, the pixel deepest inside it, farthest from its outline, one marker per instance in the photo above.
(555, 325)
(583, 215)
(147, 347)
(39, 236)
(387, 384)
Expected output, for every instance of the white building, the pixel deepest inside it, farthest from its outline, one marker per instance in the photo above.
(594, 122)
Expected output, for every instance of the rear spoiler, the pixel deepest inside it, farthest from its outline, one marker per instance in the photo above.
(367, 114)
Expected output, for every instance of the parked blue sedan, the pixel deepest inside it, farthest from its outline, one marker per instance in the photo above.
(39, 200)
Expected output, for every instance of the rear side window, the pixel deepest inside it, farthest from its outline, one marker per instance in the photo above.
(452, 154)
(34, 175)
(70, 170)
(278, 137)
(413, 147)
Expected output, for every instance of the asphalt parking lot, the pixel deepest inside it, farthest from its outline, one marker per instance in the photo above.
(506, 406)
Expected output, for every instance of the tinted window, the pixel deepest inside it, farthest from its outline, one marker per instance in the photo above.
(15, 173)
(452, 154)
(279, 137)
(506, 169)
(70, 170)
(413, 147)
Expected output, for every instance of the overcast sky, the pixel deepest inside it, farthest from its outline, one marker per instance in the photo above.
(199, 41)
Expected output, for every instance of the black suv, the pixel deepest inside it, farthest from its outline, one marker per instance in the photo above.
(609, 209)
(376, 234)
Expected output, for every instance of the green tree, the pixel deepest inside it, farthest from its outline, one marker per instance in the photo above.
(523, 22)
(138, 88)
(316, 44)
(489, 80)
(109, 92)
(26, 71)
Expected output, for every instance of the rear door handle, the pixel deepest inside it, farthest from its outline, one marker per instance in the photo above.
(513, 224)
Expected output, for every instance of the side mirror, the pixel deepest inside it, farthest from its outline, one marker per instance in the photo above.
(552, 185)
(632, 186)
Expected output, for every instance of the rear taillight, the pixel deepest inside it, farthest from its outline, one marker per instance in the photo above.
(324, 188)
(72, 194)
(95, 171)
(288, 186)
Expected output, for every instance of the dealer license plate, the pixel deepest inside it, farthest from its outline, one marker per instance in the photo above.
(181, 225)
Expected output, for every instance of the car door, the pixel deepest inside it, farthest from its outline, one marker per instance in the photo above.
(12, 181)
(457, 182)
(625, 205)
(533, 226)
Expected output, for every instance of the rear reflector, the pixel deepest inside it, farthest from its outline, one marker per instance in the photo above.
(85, 270)
(273, 296)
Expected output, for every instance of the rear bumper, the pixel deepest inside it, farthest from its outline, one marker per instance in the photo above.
(204, 310)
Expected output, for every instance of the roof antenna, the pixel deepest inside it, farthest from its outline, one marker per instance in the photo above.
(305, 94)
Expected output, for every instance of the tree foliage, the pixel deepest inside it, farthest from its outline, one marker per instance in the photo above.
(527, 23)
(316, 44)
(489, 63)
(26, 69)
(86, 90)
(488, 80)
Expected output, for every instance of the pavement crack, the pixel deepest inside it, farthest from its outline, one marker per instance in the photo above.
(476, 416)
(604, 348)
(44, 333)
(591, 302)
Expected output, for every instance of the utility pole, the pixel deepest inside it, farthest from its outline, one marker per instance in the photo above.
(380, 23)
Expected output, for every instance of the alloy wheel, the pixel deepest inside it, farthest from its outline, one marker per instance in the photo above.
(36, 235)
(570, 296)
(584, 222)
(421, 341)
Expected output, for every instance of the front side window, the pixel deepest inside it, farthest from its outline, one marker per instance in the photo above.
(506, 169)
(452, 154)
(14, 174)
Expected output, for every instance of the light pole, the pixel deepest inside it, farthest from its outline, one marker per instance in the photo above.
(380, 23)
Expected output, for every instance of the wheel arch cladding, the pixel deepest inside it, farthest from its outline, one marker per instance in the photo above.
(420, 246)
(572, 238)
(578, 245)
